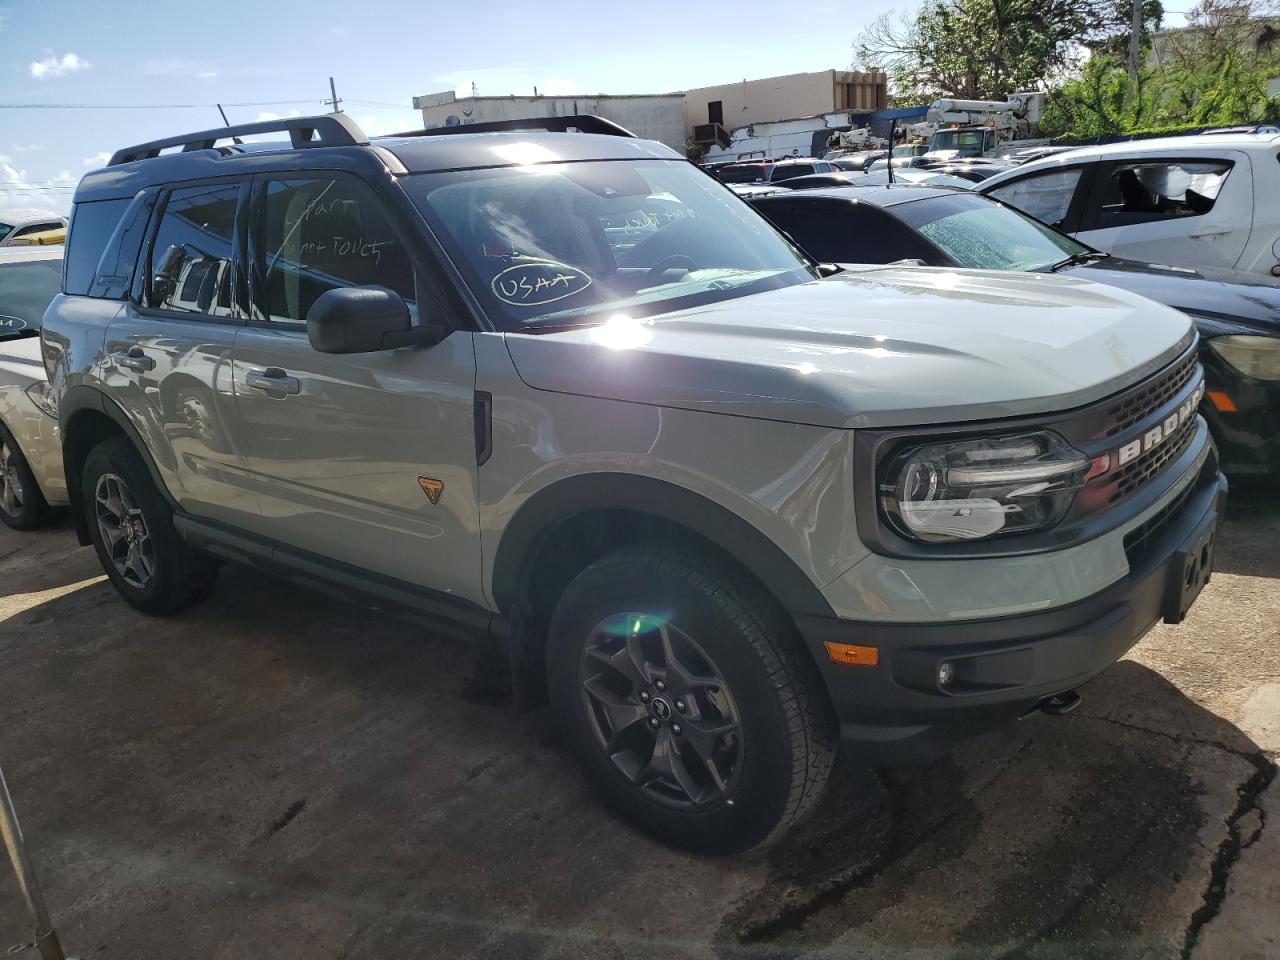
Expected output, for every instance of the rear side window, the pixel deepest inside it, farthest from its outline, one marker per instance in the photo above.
(1045, 196)
(26, 287)
(191, 255)
(1142, 192)
(91, 227)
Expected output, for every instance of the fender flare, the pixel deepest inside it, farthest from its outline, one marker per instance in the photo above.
(764, 559)
(79, 399)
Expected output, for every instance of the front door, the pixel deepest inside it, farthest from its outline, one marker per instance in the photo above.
(366, 459)
(1195, 212)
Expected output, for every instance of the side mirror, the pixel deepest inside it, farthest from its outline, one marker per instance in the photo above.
(364, 320)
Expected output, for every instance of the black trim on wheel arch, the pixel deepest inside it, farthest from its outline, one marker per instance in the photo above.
(638, 494)
(82, 398)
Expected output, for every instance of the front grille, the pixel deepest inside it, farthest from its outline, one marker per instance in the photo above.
(1138, 540)
(1159, 391)
(1137, 473)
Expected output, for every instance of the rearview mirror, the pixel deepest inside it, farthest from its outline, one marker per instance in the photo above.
(364, 320)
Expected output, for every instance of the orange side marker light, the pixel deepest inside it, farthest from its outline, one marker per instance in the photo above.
(852, 654)
(1221, 402)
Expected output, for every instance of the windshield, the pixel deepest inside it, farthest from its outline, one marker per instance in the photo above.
(966, 142)
(26, 287)
(578, 242)
(977, 232)
(5, 229)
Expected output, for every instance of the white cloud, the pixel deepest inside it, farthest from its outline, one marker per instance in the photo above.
(338, 30)
(55, 66)
(26, 147)
(53, 194)
(4, 158)
(266, 115)
(182, 67)
(207, 75)
(97, 160)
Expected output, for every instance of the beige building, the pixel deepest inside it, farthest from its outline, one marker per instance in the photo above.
(796, 95)
(651, 116)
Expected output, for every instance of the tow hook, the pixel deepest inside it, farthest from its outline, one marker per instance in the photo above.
(1060, 704)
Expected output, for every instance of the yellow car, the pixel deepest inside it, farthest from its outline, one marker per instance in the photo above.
(41, 238)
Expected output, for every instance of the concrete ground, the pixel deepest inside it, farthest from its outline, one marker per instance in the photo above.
(273, 775)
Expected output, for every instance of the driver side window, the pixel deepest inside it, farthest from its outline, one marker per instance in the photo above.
(320, 233)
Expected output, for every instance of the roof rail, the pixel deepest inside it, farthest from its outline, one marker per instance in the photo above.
(580, 123)
(328, 130)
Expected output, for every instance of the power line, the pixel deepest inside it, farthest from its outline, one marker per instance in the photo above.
(147, 106)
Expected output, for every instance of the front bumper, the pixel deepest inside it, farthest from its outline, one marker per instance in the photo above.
(898, 712)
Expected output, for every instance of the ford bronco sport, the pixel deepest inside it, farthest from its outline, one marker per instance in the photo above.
(723, 505)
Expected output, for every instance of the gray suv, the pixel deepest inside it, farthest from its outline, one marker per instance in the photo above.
(723, 506)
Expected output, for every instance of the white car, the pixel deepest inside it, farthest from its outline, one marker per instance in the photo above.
(31, 478)
(16, 223)
(1196, 201)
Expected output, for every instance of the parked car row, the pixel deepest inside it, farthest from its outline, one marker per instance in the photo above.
(723, 503)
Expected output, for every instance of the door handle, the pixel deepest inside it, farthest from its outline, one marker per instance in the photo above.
(273, 380)
(134, 359)
(1208, 235)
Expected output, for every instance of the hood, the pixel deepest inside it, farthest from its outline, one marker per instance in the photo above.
(875, 346)
(1237, 299)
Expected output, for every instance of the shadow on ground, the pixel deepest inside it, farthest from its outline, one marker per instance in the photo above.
(274, 774)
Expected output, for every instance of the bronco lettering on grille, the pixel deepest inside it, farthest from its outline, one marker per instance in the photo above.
(1161, 432)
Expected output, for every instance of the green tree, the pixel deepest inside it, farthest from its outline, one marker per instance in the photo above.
(988, 49)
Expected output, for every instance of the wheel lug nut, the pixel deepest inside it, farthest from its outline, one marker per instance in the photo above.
(680, 706)
(676, 729)
(660, 685)
(644, 695)
(653, 722)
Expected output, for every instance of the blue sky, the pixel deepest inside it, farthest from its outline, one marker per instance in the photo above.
(116, 52)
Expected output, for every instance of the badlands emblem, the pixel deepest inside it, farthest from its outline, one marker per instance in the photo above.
(1159, 433)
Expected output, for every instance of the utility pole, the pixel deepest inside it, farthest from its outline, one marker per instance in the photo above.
(1135, 45)
(335, 102)
(46, 937)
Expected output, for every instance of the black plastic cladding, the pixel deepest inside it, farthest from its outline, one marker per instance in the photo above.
(1103, 503)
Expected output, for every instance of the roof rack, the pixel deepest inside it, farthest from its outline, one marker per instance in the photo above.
(329, 130)
(580, 123)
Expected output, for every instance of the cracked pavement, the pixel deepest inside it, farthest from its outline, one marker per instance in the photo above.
(276, 775)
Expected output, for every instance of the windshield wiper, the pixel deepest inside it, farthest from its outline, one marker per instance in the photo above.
(1077, 259)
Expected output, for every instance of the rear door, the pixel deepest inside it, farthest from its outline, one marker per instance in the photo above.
(345, 449)
(168, 352)
(1194, 210)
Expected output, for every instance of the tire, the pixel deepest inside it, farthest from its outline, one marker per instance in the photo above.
(22, 505)
(150, 565)
(735, 745)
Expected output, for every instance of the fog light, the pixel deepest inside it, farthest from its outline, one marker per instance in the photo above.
(945, 673)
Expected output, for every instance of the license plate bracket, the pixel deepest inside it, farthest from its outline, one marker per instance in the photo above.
(1189, 569)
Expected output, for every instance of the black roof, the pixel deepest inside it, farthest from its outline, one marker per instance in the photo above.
(882, 195)
(204, 154)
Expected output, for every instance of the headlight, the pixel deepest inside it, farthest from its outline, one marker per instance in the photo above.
(1257, 357)
(42, 398)
(971, 489)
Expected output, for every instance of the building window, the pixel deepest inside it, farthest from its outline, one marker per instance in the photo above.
(715, 112)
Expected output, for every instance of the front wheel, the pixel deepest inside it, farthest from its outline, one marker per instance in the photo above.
(688, 699)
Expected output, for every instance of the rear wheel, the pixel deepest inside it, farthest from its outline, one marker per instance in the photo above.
(22, 505)
(131, 526)
(688, 700)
